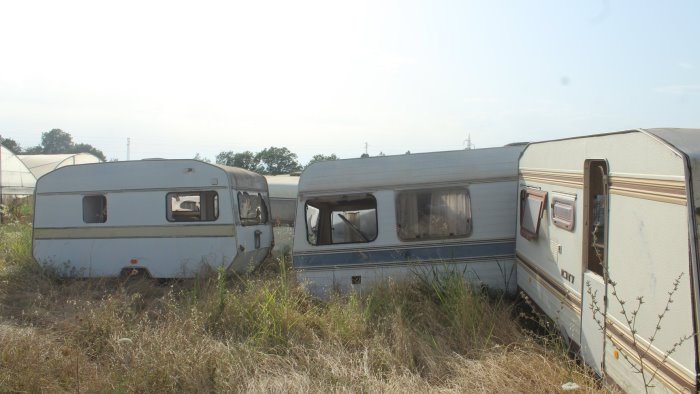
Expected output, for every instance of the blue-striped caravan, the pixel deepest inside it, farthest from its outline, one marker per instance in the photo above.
(360, 221)
(166, 218)
(607, 246)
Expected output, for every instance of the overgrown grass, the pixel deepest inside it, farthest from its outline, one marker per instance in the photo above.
(260, 332)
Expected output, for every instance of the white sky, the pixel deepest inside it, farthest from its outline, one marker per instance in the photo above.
(181, 78)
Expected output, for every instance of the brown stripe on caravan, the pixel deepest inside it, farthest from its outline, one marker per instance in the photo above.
(672, 377)
(553, 177)
(171, 231)
(669, 191)
(649, 189)
(568, 298)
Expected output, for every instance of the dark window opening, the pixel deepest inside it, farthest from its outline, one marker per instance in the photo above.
(95, 209)
(595, 203)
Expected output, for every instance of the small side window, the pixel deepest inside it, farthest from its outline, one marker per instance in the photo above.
(194, 206)
(531, 209)
(252, 208)
(564, 211)
(95, 209)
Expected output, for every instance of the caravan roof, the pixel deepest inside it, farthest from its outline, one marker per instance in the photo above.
(685, 140)
(283, 186)
(148, 174)
(410, 169)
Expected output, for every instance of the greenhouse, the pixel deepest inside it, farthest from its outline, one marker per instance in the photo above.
(42, 164)
(15, 178)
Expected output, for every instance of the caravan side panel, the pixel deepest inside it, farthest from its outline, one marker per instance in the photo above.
(485, 254)
(646, 249)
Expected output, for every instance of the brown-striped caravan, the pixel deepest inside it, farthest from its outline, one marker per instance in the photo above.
(607, 246)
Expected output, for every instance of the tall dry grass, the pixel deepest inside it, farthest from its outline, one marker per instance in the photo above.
(261, 333)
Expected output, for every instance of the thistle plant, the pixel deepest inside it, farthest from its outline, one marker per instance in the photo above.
(630, 314)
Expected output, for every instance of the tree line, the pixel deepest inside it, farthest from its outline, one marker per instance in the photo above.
(53, 142)
(269, 161)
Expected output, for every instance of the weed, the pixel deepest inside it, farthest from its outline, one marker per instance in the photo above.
(260, 332)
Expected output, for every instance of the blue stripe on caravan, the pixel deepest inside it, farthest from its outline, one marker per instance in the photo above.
(405, 255)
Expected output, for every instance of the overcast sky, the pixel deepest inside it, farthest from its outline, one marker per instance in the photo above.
(181, 78)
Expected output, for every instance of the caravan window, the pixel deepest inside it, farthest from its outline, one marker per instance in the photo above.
(564, 211)
(95, 209)
(431, 214)
(341, 219)
(194, 206)
(252, 208)
(532, 204)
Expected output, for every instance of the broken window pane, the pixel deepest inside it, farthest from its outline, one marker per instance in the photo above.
(341, 219)
(252, 208)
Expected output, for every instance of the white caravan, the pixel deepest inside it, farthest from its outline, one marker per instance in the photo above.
(364, 220)
(283, 208)
(604, 222)
(167, 218)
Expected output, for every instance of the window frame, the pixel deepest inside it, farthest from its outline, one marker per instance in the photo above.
(528, 194)
(101, 216)
(171, 217)
(469, 219)
(337, 208)
(264, 211)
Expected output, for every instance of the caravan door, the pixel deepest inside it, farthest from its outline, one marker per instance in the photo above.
(254, 236)
(594, 292)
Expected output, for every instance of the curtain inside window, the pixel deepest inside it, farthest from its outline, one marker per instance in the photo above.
(448, 214)
(433, 214)
(407, 215)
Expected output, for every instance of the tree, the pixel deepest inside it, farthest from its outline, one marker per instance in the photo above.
(87, 148)
(34, 150)
(12, 145)
(247, 160)
(320, 157)
(277, 161)
(199, 157)
(56, 141)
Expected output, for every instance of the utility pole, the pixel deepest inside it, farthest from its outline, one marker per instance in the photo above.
(366, 146)
(468, 142)
(128, 148)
